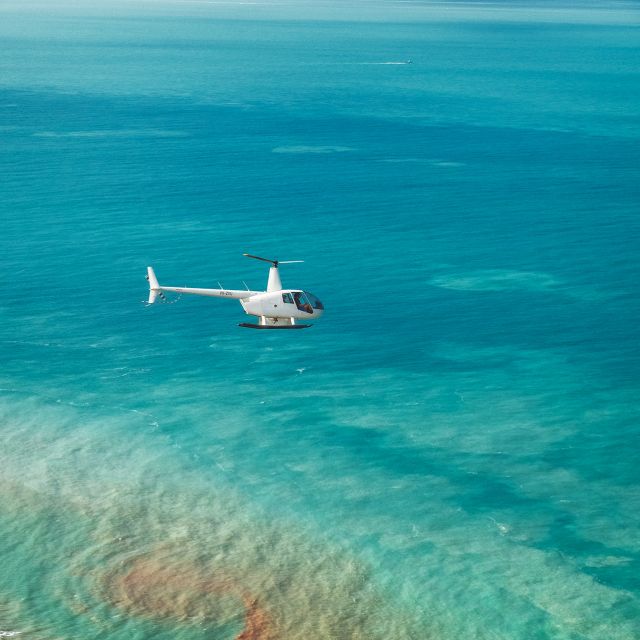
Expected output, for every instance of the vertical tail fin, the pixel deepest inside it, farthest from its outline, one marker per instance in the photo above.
(154, 286)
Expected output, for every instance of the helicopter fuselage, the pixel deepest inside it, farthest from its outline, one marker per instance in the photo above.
(288, 303)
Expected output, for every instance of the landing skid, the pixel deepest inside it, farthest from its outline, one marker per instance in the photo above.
(248, 325)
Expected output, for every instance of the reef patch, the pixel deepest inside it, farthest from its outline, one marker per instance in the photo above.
(153, 586)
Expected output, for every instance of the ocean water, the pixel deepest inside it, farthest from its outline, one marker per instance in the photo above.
(451, 452)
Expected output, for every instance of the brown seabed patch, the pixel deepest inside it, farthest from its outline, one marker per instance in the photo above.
(258, 625)
(155, 587)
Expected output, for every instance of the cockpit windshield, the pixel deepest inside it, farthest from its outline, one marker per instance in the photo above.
(315, 302)
(306, 301)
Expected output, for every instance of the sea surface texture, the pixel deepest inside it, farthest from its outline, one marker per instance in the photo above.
(451, 452)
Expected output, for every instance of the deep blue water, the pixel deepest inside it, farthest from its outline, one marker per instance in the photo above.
(451, 451)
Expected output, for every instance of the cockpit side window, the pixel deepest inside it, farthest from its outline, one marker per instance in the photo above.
(287, 298)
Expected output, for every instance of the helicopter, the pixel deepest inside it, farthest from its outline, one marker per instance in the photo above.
(276, 308)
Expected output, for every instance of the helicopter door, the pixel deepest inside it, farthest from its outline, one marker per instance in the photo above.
(302, 302)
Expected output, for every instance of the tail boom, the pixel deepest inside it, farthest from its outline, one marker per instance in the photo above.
(156, 289)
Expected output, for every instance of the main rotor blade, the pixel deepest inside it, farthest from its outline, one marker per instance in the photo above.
(289, 261)
(274, 262)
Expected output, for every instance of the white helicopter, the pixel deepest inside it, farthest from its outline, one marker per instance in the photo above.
(276, 307)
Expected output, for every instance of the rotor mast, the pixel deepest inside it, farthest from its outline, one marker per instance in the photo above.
(274, 283)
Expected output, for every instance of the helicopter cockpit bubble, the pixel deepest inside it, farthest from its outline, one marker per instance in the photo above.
(307, 302)
(315, 302)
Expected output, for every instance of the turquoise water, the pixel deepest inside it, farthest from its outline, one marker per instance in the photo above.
(451, 452)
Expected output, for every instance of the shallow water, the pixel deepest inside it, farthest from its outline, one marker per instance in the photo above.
(450, 452)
